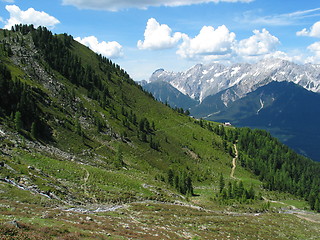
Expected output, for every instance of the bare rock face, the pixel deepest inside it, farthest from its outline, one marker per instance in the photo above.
(201, 81)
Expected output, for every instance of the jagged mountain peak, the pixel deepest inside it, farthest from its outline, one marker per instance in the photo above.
(202, 81)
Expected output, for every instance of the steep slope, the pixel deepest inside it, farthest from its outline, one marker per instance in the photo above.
(86, 153)
(63, 102)
(165, 93)
(221, 89)
(285, 109)
(86, 108)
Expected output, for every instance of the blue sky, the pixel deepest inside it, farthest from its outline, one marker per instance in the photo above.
(144, 35)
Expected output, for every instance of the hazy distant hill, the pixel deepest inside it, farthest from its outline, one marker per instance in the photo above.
(165, 93)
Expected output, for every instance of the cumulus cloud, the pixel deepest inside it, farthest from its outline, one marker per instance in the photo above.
(30, 16)
(158, 36)
(261, 43)
(108, 49)
(212, 42)
(315, 47)
(315, 50)
(115, 5)
(313, 32)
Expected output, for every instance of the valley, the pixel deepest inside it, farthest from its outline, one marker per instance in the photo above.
(276, 95)
(86, 153)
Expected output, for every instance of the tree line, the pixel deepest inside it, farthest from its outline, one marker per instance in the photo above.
(235, 191)
(181, 180)
(18, 101)
(279, 167)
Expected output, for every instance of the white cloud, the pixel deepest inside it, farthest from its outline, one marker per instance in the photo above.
(158, 36)
(261, 43)
(285, 19)
(212, 44)
(108, 49)
(275, 55)
(115, 5)
(30, 16)
(8, 1)
(216, 43)
(313, 32)
(315, 49)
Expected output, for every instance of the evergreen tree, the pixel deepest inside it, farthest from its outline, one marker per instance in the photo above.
(189, 186)
(141, 125)
(170, 177)
(119, 163)
(18, 121)
(144, 137)
(78, 127)
(34, 130)
(317, 205)
(221, 183)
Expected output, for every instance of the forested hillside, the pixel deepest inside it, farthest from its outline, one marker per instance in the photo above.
(79, 136)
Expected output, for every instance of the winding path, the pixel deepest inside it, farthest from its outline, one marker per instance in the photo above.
(84, 185)
(303, 214)
(234, 162)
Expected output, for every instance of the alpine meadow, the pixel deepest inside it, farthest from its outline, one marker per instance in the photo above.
(86, 153)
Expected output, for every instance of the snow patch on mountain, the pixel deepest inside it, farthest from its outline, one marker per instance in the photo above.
(261, 107)
(201, 80)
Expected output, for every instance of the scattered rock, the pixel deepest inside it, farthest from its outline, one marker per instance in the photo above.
(203, 228)
(31, 167)
(126, 226)
(2, 133)
(14, 223)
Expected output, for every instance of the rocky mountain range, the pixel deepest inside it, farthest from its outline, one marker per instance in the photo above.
(252, 95)
(202, 81)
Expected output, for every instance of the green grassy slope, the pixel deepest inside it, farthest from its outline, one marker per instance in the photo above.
(88, 137)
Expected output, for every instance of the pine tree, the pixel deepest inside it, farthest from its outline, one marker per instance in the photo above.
(119, 163)
(18, 121)
(141, 125)
(189, 185)
(170, 177)
(251, 193)
(34, 130)
(221, 183)
(144, 137)
(78, 127)
(317, 205)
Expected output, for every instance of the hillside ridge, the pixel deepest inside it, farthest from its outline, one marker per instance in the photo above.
(86, 152)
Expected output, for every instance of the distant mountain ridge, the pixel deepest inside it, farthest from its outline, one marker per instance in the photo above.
(166, 93)
(287, 110)
(277, 95)
(202, 81)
